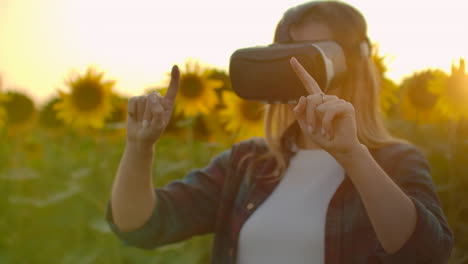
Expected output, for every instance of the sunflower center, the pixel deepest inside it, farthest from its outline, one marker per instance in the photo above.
(87, 95)
(191, 85)
(251, 110)
(418, 94)
(19, 109)
(421, 98)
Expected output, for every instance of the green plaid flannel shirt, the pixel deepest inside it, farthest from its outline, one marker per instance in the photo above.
(219, 199)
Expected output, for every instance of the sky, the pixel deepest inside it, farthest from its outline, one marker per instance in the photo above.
(43, 42)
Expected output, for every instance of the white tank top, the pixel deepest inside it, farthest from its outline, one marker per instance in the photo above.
(289, 226)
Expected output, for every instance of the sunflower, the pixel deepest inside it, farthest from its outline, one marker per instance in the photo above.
(388, 88)
(20, 112)
(453, 91)
(222, 76)
(244, 118)
(196, 92)
(89, 101)
(48, 115)
(388, 96)
(418, 102)
(217, 130)
(116, 121)
(119, 111)
(379, 60)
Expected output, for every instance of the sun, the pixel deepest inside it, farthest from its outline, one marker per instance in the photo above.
(453, 92)
(89, 101)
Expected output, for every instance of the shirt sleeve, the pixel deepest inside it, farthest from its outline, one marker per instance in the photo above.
(184, 208)
(432, 238)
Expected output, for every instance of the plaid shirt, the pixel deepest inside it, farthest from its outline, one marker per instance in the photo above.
(220, 199)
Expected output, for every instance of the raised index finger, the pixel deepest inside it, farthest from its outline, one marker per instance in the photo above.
(174, 84)
(309, 83)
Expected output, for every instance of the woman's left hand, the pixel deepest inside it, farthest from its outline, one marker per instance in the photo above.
(328, 120)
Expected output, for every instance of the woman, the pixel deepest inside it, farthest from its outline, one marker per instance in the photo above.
(327, 184)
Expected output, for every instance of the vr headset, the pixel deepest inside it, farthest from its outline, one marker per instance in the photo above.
(264, 73)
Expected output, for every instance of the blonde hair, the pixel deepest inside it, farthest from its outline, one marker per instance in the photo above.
(362, 79)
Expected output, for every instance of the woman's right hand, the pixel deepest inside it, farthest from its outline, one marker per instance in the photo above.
(148, 115)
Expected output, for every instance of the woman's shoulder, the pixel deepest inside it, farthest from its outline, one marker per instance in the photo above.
(253, 144)
(398, 155)
(398, 149)
(388, 156)
(390, 152)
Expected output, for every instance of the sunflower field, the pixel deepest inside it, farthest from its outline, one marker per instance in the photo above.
(58, 160)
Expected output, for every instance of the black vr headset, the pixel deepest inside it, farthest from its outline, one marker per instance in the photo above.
(264, 73)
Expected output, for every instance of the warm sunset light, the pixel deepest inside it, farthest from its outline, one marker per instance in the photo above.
(109, 153)
(136, 42)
